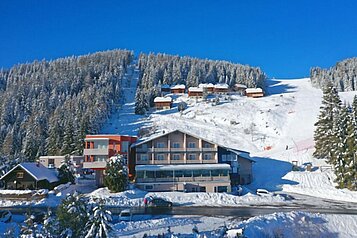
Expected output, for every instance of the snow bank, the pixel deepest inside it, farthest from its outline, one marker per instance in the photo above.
(298, 224)
(135, 198)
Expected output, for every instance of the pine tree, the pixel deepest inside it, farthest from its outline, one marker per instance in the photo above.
(29, 228)
(98, 224)
(72, 213)
(116, 178)
(349, 156)
(65, 171)
(329, 110)
(50, 226)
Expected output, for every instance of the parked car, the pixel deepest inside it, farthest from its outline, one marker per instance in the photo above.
(125, 215)
(159, 203)
(264, 192)
(5, 216)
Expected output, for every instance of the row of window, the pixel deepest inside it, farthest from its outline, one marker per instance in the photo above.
(144, 157)
(182, 173)
(177, 145)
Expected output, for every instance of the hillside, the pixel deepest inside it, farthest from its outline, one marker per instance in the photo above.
(47, 107)
(343, 75)
(285, 117)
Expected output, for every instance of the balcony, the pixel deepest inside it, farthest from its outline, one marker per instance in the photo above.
(96, 151)
(209, 149)
(180, 161)
(95, 165)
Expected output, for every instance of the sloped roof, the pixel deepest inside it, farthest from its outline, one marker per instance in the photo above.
(37, 171)
(254, 90)
(179, 86)
(158, 135)
(163, 99)
(195, 89)
(222, 85)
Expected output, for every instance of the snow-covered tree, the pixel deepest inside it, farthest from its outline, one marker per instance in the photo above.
(50, 225)
(116, 178)
(72, 214)
(65, 171)
(99, 222)
(324, 132)
(29, 228)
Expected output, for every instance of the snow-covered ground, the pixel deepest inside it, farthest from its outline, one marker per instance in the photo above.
(283, 119)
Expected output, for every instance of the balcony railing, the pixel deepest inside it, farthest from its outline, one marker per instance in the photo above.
(95, 165)
(174, 150)
(96, 151)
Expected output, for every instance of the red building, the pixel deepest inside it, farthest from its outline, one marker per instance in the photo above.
(99, 148)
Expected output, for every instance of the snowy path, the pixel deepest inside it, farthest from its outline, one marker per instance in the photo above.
(124, 121)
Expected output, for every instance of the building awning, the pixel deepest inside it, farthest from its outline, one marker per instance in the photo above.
(182, 167)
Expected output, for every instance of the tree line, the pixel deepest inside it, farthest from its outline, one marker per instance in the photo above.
(160, 69)
(336, 137)
(343, 75)
(47, 107)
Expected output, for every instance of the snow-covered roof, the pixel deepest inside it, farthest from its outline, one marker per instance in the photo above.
(254, 90)
(163, 99)
(205, 85)
(182, 167)
(238, 85)
(178, 86)
(37, 171)
(195, 89)
(242, 154)
(222, 85)
(166, 132)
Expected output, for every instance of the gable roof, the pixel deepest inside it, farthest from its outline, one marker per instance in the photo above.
(37, 171)
(164, 133)
(163, 99)
(254, 90)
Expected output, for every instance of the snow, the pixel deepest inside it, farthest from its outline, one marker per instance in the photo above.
(254, 90)
(135, 197)
(163, 99)
(221, 86)
(195, 89)
(37, 171)
(179, 86)
(297, 224)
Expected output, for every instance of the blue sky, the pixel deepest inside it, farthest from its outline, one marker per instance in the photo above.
(283, 37)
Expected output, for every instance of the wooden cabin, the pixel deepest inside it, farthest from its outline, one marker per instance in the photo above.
(209, 87)
(163, 103)
(30, 176)
(240, 88)
(195, 92)
(180, 88)
(254, 92)
(221, 88)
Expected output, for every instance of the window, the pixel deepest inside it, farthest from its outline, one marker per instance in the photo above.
(191, 157)
(51, 161)
(149, 174)
(203, 189)
(144, 157)
(224, 158)
(176, 145)
(160, 157)
(207, 145)
(124, 146)
(221, 189)
(187, 173)
(191, 145)
(160, 145)
(140, 174)
(20, 175)
(206, 173)
(176, 157)
(207, 156)
(144, 146)
(149, 187)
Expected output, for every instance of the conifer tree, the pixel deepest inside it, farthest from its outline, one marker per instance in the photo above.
(98, 224)
(324, 132)
(116, 178)
(65, 171)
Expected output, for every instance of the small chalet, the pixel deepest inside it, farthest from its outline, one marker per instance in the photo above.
(165, 88)
(221, 88)
(163, 103)
(209, 87)
(240, 88)
(30, 176)
(180, 88)
(254, 92)
(195, 92)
